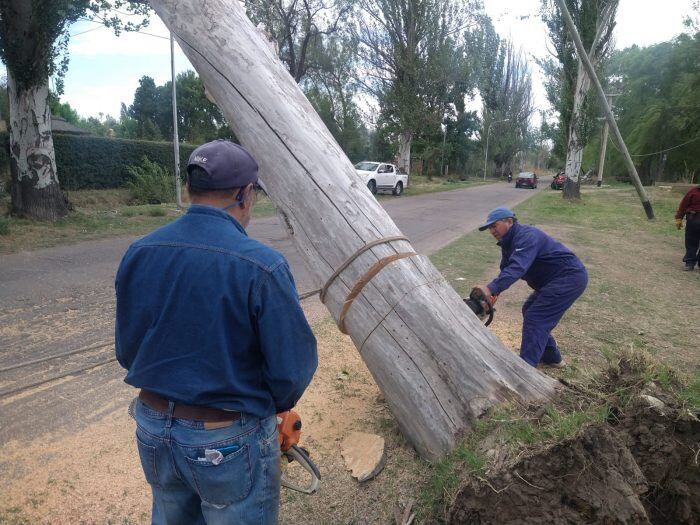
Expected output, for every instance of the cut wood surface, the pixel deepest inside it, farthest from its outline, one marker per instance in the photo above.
(438, 366)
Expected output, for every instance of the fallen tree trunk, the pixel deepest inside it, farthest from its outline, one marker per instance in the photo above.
(438, 366)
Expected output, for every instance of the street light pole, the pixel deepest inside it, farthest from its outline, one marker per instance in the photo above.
(176, 140)
(486, 152)
(442, 160)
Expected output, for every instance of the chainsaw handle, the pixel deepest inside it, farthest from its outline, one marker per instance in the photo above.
(297, 453)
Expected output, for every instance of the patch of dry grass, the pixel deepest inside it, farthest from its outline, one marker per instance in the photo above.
(96, 214)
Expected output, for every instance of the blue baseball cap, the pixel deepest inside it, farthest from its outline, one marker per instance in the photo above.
(227, 165)
(497, 214)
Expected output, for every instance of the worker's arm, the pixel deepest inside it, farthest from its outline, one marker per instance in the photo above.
(524, 253)
(683, 206)
(121, 325)
(286, 341)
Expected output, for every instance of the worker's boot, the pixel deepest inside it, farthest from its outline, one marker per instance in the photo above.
(560, 364)
(688, 267)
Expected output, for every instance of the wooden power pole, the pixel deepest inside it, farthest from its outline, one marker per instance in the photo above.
(437, 365)
(617, 136)
(604, 142)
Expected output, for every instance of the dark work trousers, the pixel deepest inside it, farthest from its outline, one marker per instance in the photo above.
(692, 239)
(542, 312)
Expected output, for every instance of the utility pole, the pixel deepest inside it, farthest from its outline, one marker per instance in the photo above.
(486, 153)
(176, 140)
(583, 57)
(442, 160)
(604, 142)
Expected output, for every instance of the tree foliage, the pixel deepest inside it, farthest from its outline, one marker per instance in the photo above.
(658, 108)
(331, 88)
(31, 61)
(561, 69)
(507, 102)
(149, 116)
(298, 29)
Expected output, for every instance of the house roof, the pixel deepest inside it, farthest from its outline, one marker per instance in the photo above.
(59, 125)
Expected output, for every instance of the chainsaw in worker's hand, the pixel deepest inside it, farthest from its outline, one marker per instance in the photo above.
(289, 425)
(480, 305)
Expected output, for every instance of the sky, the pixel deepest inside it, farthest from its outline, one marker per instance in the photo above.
(104, 69)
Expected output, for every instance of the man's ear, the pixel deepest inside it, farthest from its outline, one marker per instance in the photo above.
(249, 194)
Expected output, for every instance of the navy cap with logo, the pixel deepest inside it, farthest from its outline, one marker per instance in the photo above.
(225, 165)
(496, 215)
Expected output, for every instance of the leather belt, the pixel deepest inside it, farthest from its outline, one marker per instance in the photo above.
(185, 411)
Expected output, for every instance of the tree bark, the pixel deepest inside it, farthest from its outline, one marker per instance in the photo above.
(438, 366)
(404, 160)
(574, 150)
(34, 189)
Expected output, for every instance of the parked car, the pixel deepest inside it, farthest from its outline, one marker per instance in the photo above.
(526, 179)
(558, 181)
(381, 176)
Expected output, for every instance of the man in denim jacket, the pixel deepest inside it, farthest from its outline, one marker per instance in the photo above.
(210, 329)
(555, 274)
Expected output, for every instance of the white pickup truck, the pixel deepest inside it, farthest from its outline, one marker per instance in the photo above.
(380, 176)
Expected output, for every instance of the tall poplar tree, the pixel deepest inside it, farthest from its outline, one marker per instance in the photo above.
(568, 82)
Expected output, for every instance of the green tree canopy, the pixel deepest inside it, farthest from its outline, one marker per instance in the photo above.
(659, 108)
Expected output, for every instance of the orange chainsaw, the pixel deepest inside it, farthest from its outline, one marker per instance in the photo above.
(289, 425)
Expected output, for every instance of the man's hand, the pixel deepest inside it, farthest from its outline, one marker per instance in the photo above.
(488, 296)
(679, 223)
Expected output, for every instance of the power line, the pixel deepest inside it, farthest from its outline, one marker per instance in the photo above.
(136, 31)
(661, 151)
(87, 31)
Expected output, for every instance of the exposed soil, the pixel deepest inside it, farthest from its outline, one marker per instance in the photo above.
(641, 466)
(591, 478)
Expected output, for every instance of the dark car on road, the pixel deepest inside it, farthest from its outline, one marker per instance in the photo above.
(526, 179)
(558, 181)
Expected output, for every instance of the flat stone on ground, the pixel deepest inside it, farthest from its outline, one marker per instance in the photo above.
(364, 455)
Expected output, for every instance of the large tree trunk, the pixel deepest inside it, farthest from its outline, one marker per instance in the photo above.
(436, 363)
(404, 160)
(574, 151)
(34, 185)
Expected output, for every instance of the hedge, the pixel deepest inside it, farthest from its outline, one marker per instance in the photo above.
(89, 162)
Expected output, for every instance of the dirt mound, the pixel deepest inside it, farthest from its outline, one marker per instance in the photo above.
(640, 467)
(665, 443)
(592, 478)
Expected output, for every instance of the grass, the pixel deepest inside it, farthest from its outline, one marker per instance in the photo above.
(98, 214)
(637, 304)
(419, 185)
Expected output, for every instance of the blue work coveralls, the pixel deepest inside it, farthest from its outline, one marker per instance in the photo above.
(555, 274)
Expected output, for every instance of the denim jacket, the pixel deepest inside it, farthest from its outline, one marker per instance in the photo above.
(530, 254)
(208, 316)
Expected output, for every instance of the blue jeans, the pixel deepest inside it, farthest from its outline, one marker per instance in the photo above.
(543, 310)
(242, 488)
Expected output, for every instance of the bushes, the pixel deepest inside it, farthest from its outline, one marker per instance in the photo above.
(88, 162)
(150, 183)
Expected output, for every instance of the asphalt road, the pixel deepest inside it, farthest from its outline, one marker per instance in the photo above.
(62, 299)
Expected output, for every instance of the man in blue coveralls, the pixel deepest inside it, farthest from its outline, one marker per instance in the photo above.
(210, 329)
(555, 274)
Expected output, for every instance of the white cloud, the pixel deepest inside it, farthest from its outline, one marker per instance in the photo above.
(92, 99)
